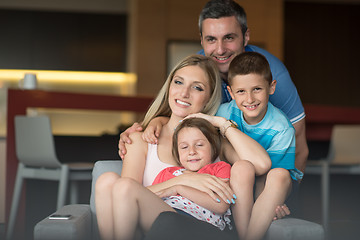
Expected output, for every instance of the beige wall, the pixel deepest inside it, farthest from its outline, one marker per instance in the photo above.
(153, 23)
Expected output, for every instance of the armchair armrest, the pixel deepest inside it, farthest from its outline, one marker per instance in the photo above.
(294, 228)
(77, 227)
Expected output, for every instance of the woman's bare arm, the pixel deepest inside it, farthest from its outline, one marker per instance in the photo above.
(125, 138)
(135, 159)
(240, 146)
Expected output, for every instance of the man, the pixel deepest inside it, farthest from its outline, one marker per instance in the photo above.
(224, 34)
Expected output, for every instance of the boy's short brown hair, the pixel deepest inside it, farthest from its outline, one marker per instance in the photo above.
(248, 63)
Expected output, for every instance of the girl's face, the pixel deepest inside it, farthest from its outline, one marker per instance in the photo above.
(189, 91)
(194, 149)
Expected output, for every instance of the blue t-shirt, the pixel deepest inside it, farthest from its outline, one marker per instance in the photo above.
(286, 96)
(274, 132)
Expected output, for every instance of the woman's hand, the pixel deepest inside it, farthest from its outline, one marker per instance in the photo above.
(124, 138)
(209, 184)
(214, 120)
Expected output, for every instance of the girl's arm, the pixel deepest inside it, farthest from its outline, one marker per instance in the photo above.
(216, 188)
(135, 159)
(197, 197)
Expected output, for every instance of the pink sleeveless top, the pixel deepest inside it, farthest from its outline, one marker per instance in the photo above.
(153, 165)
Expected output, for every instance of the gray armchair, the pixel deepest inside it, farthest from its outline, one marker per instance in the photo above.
(83, 223)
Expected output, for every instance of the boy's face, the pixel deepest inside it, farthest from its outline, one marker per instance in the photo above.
(194, 149)
(251, 93)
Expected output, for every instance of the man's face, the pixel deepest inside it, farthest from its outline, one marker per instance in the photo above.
(222, 40)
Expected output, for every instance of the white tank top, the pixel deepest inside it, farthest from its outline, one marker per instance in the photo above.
(153, 165)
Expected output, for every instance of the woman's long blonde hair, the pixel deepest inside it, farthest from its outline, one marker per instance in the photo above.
(160, 106)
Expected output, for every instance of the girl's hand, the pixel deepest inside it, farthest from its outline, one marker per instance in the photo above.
(214, 120)
(171, 191)
(281, 211)
(209, 184)
(124, 138)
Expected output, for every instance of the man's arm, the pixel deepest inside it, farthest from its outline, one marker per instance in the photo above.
(302, 150)
(124, 138)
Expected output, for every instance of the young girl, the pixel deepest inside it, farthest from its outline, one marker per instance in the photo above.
(196, 148)
(196, 145)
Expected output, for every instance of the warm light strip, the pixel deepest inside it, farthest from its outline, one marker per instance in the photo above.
(69, 76)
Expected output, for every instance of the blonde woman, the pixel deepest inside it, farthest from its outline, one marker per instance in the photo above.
(192, 87)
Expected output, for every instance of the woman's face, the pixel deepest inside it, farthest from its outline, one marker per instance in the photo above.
(189, 91)
(194, 149)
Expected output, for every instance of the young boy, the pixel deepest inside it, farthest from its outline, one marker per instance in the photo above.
(250, 86)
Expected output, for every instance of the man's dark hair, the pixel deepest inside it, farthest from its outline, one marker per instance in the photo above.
(223, 8)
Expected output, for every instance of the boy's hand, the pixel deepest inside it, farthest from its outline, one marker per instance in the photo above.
(152, 131)
(124, 138)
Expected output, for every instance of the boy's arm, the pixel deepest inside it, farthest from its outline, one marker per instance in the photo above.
(198, 197)
(152, 132)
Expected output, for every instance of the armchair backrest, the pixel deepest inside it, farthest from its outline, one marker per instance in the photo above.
(101, 167)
